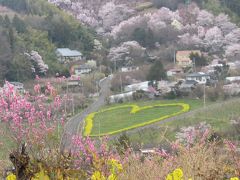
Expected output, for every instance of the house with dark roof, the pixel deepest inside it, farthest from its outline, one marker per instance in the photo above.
(188, 85)
(81, 69)
(199, 77)
(66, 55)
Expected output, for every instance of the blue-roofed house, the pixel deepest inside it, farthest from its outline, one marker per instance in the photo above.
(66, 55)
(200, 77)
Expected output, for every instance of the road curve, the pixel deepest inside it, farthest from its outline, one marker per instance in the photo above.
(74, 125)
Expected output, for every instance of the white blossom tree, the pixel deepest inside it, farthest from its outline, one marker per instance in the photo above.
(233, 52)
(38, 64)
(214, 40)
(112, 14)
(130, 50)
(223, 22)
(233, 37)
(205, 18)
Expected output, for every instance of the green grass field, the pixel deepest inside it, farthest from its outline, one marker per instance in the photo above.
(118, 119)
(218, 117)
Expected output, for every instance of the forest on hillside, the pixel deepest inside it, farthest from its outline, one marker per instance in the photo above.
(28, 25)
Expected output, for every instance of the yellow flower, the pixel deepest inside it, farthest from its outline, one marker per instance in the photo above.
(97, 176)
(178, 174)
(11, 176)
(234, 178)
(112, 177)
(169, 177)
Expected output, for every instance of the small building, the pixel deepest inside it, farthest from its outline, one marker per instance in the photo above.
(66, 55)
(232, 89)
(129, 68)
(172, 72)
(19, 87)
(200, 77)
(138, 86)
(82, 69)
(183, 57)
(121, 97)
(188, 85)
(233, 79)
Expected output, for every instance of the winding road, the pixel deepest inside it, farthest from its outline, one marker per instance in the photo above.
(74, 125)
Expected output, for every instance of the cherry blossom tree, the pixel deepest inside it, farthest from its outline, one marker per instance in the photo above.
(233, 37)
(214, 40)
(38, 64)
(127, 51)
(205, 18)
(112, 14)
(233, 52)
(223, 22)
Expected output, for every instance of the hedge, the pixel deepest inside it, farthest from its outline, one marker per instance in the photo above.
(135, 109)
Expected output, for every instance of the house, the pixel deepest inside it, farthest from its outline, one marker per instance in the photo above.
(199, 77)
(188, 85)
(66, 55)
(172, 72)
(121, 97)
(232, 89)
(138, 86)
(129, 68)
(183, 57)
(81, 69)
(233, 79)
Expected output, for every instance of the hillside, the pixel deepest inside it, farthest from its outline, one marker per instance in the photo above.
(27, 26)
(139, 31)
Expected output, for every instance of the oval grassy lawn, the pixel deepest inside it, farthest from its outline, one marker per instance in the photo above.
(117, 119)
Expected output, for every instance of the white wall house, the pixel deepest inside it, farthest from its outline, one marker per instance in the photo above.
(200, 77)
(137, 86)
(129, 68)
(66, 55)
(82, 69)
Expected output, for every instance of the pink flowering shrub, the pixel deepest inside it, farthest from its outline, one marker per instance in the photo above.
(30, 118)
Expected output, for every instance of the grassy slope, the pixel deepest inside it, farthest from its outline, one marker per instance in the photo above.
(120, 118)
(217, 116)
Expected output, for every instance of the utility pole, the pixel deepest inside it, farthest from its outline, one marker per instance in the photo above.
(194, 64)
(204, 95)
(115, 66)
(174, 57)
(121, 83)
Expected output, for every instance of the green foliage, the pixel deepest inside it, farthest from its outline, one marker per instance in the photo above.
(156, 72)
(144, 37)
(41, 27)
(199, 60)
(221, 72)
(123, 143)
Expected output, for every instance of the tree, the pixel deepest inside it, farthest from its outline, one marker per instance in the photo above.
(199, 60)
(19, 24)
(156, 72)
(233, 52)
(139, 35)
(221, 72)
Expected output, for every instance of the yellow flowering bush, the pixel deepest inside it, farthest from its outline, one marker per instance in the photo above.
(115, 168)
(135, 109)
(176, 175)
(89, 124)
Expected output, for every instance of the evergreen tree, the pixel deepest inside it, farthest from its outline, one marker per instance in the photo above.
(157, 72)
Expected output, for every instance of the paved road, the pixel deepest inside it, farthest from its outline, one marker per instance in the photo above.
(74, 125)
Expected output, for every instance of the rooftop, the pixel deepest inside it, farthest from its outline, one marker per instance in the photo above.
(66, 52)
(198, 74)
